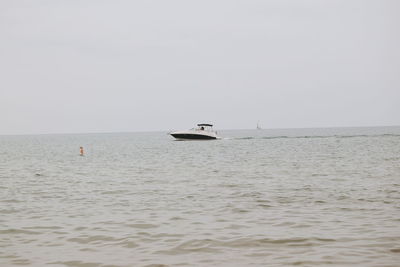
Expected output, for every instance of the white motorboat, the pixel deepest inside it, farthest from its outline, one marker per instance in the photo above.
(203, 131)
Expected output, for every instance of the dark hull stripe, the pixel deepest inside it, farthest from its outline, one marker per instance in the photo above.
(193, 136)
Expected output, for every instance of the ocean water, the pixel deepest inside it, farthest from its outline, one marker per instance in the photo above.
(299, 197)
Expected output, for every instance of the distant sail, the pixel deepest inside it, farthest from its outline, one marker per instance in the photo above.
(258, 126)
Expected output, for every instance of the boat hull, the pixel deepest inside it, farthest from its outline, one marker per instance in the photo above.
(192, 136)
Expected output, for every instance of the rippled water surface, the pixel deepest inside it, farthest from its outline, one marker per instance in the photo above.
(311, 197)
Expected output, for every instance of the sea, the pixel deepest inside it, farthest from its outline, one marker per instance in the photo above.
(272, 197)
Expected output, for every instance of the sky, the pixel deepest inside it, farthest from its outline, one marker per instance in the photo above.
(72, 66)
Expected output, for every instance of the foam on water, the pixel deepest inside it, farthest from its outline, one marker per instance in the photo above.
(305, 197)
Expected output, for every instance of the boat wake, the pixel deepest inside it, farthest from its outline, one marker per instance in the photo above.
(311, 137)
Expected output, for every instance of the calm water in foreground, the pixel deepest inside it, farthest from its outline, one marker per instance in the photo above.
(303, 197)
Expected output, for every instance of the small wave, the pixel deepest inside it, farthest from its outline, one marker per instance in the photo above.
(11, 201)
(248, 242)
(127, 244)
(93, 239)
(115, 192)
(213, 246)
(21, 262)
(142, 225)
(79, 264)
(8, 211)
(194, 245)
(156, 265)
(43, 227)
(18, 231)
(104, 241)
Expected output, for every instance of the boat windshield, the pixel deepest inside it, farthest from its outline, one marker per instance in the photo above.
(204, 128)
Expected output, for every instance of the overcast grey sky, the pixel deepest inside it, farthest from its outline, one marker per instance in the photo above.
(104, 66)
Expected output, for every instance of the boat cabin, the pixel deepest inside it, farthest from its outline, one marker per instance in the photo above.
(204, 127)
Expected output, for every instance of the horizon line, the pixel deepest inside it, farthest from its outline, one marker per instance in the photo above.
(157, 131)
